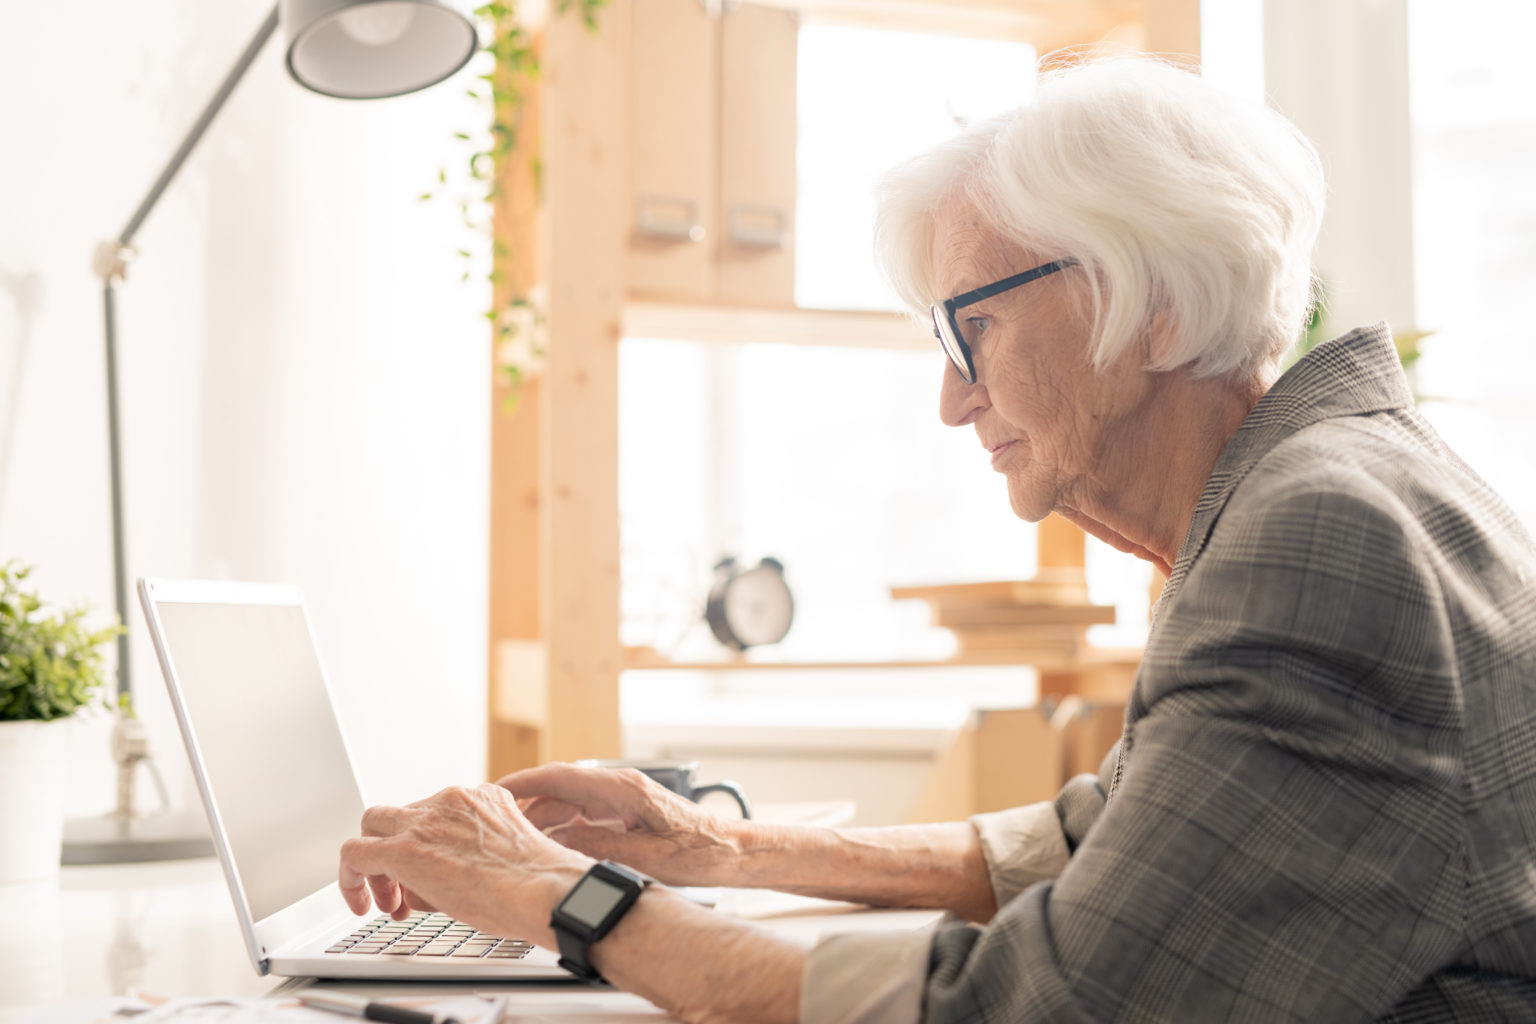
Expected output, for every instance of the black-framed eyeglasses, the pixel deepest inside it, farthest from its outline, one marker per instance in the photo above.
(947, 329)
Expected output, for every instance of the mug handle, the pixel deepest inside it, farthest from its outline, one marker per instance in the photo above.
(725, 786)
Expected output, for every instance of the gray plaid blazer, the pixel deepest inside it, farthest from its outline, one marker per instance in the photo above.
(1325, 804)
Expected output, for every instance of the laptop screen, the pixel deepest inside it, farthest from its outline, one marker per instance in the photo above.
(271, 746)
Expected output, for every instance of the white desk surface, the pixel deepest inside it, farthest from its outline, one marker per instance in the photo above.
(71, 944)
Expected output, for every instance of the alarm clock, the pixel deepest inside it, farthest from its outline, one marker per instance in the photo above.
(749, 607)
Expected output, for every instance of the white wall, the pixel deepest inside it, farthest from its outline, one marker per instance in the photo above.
(303, 375)
(1339, 70)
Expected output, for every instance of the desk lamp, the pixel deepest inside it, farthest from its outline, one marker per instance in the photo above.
(350, 49)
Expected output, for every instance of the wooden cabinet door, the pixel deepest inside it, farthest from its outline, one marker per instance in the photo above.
(674, 146)
(755, 246)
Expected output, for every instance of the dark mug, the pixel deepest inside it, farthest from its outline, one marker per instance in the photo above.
(678, 777)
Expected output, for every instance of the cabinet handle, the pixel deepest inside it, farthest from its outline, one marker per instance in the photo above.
(668, 218)
(757, 227)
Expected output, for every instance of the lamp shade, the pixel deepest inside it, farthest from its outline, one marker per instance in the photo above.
(369, 49)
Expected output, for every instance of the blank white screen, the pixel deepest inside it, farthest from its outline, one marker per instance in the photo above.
(592, 901)
(270, 743)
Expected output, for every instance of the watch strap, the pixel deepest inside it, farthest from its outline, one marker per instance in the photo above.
(573, 956)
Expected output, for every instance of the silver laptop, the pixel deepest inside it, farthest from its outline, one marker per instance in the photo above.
(281, 795)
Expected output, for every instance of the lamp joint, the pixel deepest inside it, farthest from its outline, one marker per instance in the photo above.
(110, 261)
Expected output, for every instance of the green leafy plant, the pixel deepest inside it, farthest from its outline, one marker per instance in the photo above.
(50, 660)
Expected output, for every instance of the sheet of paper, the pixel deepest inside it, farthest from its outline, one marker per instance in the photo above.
(467, 1009)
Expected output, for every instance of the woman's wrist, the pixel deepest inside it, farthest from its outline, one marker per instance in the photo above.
(540, 895)
(720, 858)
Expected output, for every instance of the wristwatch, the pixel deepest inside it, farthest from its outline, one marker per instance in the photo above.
(590, 910)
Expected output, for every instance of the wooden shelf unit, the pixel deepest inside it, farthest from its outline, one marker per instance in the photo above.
(1102, 677)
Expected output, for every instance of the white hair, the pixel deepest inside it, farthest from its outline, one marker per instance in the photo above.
(1177, 199)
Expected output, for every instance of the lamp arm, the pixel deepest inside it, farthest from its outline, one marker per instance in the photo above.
(111, 263)
(195, 134)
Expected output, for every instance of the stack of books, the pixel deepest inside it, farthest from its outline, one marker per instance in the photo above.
(1041, 619)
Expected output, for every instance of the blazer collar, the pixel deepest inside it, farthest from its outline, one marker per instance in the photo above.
(1352, 375)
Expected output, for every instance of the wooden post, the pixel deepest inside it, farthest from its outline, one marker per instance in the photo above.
(1171, 28)
(561, 217)
(586, 182)
(1060, 545)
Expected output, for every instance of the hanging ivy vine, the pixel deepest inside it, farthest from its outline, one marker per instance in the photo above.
(518, 323)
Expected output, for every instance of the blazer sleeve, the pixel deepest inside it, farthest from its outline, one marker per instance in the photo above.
(1283, 842)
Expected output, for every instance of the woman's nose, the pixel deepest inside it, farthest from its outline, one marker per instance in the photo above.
(959, 402)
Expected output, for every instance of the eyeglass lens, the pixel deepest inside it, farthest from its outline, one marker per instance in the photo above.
(954, 346)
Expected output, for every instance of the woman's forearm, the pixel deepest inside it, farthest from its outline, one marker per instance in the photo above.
(931, 866)
(701, 966)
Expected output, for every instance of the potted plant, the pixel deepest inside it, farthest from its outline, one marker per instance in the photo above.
(50, 668)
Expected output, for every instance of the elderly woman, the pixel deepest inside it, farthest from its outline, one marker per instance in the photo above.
(1324, 804)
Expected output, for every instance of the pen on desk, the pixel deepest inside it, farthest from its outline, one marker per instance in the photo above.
(361, 1006)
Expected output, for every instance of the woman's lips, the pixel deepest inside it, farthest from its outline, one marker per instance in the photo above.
(1001, 453)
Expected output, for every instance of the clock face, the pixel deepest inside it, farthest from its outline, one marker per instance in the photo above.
(758, 606)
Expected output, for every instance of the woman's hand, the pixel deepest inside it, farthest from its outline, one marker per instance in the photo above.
(468, 852)
(621, 815)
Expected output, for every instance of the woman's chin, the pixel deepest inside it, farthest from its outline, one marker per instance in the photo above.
(1030, 502)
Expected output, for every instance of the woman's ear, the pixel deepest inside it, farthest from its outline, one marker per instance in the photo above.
(1159, 339)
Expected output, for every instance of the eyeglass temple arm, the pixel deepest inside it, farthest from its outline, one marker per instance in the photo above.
(960, 301)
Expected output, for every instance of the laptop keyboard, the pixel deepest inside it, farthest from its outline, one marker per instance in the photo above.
(424, 934)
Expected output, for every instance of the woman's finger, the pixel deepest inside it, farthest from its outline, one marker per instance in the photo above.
(415, 902)
(364, 870)
(653, 855)
(352, 878)
(582, 787)
(386, 894)
(546, 812)
(385, 820)
(600, 843)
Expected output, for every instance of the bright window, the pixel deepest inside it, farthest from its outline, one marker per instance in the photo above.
(831, 459)
(1473, 95)
(868, 100)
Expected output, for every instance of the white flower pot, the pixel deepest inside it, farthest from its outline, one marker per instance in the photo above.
(32, 766)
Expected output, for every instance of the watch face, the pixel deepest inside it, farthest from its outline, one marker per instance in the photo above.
(758, 606)
(592, 901)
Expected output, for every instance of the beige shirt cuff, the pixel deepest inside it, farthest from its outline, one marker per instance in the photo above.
(1022, 846)
(866, 978)
(879, 977)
